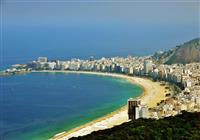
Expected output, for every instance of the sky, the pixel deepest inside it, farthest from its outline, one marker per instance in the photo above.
(89, 12)
(80, 28)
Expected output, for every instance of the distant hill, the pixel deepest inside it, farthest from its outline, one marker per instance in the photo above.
(185, 53)
(181, 127)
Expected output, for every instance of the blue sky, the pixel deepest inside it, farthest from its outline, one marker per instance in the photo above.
(89, 12)
(80, 28)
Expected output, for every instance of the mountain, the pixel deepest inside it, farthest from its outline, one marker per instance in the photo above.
(186, 53)
(183, 126)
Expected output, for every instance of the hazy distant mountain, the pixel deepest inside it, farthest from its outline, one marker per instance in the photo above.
(185, 53)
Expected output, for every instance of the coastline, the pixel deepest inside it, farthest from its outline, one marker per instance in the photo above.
(153, 93)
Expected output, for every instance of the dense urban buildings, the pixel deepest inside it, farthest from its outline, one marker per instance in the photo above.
(186, 78)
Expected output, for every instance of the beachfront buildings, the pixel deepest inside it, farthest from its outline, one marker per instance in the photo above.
(186, 78)
(42, 59)
(148, 66)
(136, 110)
(133, 112)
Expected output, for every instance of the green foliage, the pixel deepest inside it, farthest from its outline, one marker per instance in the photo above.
(184, 126)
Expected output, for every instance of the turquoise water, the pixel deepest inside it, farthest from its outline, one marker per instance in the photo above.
(37, 106)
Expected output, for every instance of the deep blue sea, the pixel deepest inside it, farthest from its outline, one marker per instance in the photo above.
(37, 106)
(23, 43)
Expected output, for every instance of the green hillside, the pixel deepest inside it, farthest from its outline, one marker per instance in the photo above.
(180, 127)
(185, 53)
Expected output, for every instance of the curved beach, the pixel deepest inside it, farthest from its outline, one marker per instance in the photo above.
(153, 93)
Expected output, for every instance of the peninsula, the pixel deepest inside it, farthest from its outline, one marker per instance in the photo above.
(169, 89)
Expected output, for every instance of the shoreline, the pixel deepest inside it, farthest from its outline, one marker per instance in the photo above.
(153, 93)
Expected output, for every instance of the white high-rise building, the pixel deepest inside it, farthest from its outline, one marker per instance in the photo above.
(143, 111)
(130, 70)
(148, 66)
(42, 59)
(136, 110)
(133, 109)
(51, 65)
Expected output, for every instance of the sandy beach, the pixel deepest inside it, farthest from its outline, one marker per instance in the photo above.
(153, 93)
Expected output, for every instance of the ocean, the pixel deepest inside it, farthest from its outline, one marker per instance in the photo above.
(37, 106)
(24, 43)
